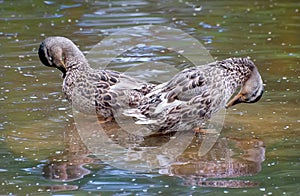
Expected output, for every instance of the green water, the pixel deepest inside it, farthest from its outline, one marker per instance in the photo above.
(40, 152)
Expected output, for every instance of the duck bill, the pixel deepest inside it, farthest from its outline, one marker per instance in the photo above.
(62, 68)
(235, 100)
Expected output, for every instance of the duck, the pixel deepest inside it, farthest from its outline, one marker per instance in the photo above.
(194, 95)
(187, 100)
(90, 91)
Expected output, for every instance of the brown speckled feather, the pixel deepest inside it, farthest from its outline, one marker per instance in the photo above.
(189, 99)
(97, 88)
(90, 91)
(192, 96)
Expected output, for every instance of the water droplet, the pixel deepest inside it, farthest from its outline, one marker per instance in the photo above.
(262, 189)
(198, 9)
(48, 2)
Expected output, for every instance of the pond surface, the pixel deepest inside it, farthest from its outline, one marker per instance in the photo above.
(257, 152)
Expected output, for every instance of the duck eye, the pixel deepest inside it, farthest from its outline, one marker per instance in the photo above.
(50, 58)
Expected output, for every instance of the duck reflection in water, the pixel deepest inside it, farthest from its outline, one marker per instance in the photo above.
(69, 165)
(229, 158)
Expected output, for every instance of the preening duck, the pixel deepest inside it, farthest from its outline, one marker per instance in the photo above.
(188, 100)
(193, 95)
(90, 90)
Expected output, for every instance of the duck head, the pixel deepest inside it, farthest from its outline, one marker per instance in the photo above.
(251, 90)
(54, 51)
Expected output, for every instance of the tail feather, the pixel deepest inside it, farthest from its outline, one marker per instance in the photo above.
(141, 119)
(146, 122)
(134, 113)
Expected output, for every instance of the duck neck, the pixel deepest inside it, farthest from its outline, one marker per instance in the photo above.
(74, 58)
(238, 71)
(74, 63)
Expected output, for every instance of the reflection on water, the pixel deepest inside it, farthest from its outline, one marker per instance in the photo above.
(34, 116)
(68, 166)
(227, 159)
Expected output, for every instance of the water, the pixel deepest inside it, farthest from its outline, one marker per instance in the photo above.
(40, 151)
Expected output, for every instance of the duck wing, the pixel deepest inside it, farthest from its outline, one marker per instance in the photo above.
(190, 96)
(186, 85)
(108, 91)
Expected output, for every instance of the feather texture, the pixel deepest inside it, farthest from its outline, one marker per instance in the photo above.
(89, 90)
(188, 100)
(192, 96)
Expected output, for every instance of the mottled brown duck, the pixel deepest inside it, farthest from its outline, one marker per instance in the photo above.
(195, 94)
(90, 91)
(187, 101)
